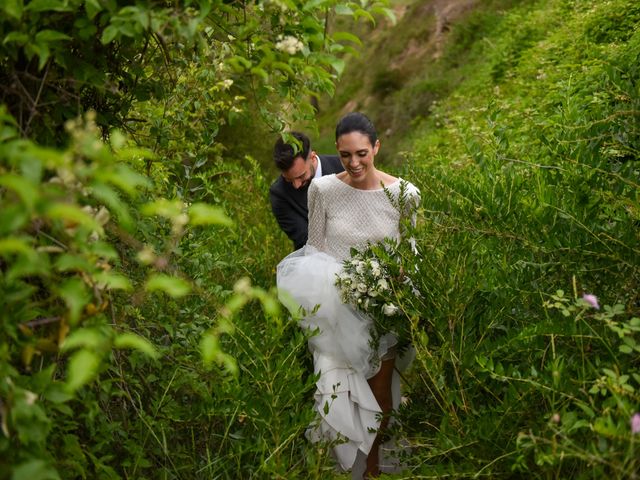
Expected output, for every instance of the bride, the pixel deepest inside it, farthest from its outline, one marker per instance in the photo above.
(357, 387)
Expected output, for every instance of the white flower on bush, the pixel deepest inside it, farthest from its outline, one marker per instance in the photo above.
(389, 309)
(360, 267)
(362, 288)
(383, 285)
(289, 44)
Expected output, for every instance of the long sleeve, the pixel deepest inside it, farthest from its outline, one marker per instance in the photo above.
(317, 218)
(291, 221)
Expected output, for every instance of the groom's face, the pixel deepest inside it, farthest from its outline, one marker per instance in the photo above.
(301, 171)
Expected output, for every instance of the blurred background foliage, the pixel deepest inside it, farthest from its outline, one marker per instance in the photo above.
(140, 336)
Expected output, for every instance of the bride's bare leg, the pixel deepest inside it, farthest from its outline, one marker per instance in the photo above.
(380, 385)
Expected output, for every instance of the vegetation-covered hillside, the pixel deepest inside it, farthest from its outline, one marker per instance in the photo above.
(526, 152)
(139, 333)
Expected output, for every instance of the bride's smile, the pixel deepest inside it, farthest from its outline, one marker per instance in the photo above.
(357, 156)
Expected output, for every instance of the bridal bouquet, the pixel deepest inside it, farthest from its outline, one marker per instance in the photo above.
(373, 281)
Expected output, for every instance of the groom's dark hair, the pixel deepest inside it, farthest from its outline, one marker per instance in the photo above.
(285, 153)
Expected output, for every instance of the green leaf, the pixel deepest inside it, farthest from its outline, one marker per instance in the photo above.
(89, 338)
(13, 245)
(104, 250)
(92, 7)
(35, 470)
(165, 208)
(209, 347)
(290, 304)
(16, 37)
(172, 286)
(113, 281)
(75, 295)
(211, 352)
(346, 36)
(363, 13)
(13, 218)
(47, 156)
(341, 9)
(204, 214)
(73, 214)
(284, 67)
(111, 199)
(130, 340)
(270, 305)
(83, 367)
(261, 72)
(28, 265)
(55, 393)
(26, 190)
(387, 12)
(125, 178)
(625, 349)
(49, 5)
(13, 8)
(314, 4)
(239, 62)
(51, 36)
(337, 64)
(69, 262)
(43, 53)
(109, 34)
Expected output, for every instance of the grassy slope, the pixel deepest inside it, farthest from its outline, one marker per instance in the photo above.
(400, 70)
(527, 163)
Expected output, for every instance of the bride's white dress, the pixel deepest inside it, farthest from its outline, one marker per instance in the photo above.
(341, 217)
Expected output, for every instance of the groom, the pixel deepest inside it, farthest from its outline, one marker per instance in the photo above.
(288, 194)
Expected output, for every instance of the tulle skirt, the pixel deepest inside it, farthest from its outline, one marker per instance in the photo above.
(348, 412)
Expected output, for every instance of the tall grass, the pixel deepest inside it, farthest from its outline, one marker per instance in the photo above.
(529, 179)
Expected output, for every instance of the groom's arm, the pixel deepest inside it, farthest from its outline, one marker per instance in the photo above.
(290, 221)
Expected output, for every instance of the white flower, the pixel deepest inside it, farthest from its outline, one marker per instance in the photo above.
(360, 267)
(389, 309)
(362, 288)
(383, 285)
(375, 268)
(373, 293)
(289, 44)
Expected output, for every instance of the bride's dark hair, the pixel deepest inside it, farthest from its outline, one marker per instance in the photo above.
(356, 122)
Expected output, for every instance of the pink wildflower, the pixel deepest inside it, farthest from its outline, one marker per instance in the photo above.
(635, 423)
(591, 300)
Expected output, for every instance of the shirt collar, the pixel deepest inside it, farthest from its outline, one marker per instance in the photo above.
(318, 168)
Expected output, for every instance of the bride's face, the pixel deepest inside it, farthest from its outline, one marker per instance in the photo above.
(357, 155)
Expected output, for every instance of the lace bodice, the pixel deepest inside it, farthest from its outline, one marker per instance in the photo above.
(341, 216)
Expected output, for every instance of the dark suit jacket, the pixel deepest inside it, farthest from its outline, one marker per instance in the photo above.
(289, 205)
